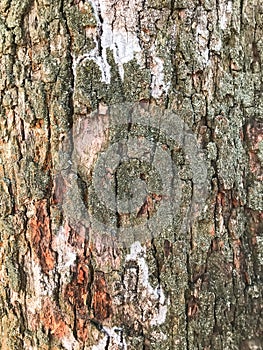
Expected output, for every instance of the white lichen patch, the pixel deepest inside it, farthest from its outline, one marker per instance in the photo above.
(118, 30)
(215, 42)
(158, 84)
(65, 253)
(113, 339)
(136, 252)
(158, 336)
(117, 24)
(38, 286)
(151, 300)
(142, 303)
(69, 342)
(202, 37)
(35, 302)
(160, 317)
(225, 11)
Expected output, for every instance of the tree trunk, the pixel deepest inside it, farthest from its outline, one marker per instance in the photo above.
(131, 174)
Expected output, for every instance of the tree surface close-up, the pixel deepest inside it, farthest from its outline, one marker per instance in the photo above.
(131, 168)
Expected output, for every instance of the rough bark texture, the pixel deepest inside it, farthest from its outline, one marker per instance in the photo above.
(198, 288)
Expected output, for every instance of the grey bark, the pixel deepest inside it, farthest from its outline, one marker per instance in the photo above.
(197, 288)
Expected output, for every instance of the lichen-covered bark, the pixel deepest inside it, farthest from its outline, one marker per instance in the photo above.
(198, 288)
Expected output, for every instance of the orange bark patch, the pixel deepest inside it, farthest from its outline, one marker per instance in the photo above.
(212, 231)
(82, 328)
(102, 304)
(41, 236)
(52, 319)
(78, 294)
(238, 256)
(192, 307)
(76, 291)
(149, 206)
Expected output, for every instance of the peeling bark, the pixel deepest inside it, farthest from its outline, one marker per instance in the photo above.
(66, 286)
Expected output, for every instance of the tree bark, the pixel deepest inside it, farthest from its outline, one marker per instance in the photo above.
(79, 273)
